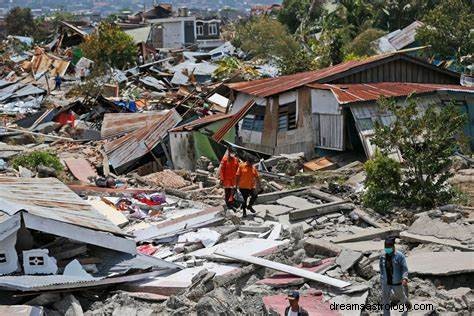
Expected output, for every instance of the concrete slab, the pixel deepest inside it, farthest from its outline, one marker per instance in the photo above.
(367, 234)
(243, 246)
(320, 246)
(427, 226)
(295, 202)
(179, 281)
(409, 237)
(347, 258)
(312, 302)
(279, 280)
(441, 263)
(272, 209)
(364, 246)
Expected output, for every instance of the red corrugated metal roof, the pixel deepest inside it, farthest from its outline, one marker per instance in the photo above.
(272, 86)
(219, 134)
(350, 93)
(125, 150)
(200, 122)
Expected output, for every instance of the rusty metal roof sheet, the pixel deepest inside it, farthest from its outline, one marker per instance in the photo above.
(200, 122)
(50, 198)
(118, 124)
(220, 133)
(127, 149)
(350, 93)
(272, 86)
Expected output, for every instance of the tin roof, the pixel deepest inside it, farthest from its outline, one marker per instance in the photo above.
(50, 198)
(350, 93)
(200, 122)
(125, 150)
(236, 117)
(117, 124)
(272, 86)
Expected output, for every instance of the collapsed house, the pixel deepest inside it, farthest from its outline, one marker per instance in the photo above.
(47, 228)
(320, 111)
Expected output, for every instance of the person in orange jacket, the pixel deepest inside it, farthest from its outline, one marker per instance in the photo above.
(247, 180)
(227, 175)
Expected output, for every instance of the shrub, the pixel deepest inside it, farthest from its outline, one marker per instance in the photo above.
(383, 176)
(36, 158)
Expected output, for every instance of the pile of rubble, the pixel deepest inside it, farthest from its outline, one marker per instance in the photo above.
(132, 220)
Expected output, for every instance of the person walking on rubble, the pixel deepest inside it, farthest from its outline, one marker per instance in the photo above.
(247, 179)
(393, 277)
(227, 176)
(294, 309)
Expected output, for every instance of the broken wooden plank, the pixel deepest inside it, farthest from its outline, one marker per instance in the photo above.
(286, 268)
(368, 234)
(81, 169)
(415, 238)
(319, 209)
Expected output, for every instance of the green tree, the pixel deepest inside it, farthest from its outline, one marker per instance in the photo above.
(230, 67)
(19, 21)
(448, 29)
(296, 12)
(110, 46)
(362, 45)
(264, 37)
(382, 182)
(426, 139)
(301, 60)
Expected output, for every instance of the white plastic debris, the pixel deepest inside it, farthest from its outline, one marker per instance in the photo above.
(206, 236)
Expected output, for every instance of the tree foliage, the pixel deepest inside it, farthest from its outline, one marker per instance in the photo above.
(264, 37)
(296, 12)
(448, 29)
(383, 177)
(426, 140)
(110, 46)
(299, 61)
(19, 21)
(362, 44)
(229, 67)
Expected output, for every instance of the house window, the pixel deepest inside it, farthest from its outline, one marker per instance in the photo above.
(287, 117)
(199, 30)
(253, 122)
(213, 29)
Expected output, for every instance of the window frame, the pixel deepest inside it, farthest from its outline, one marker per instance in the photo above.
(213, 29)
(199, 29)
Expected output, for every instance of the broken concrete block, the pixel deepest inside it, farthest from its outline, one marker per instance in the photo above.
(69, 306)
(368, 234)
(450, 217)
(38, 261)
(25, 172)
(310, 262)
(315, 246)
(341, 219)
(364, 268)
(321, 220)
(294, 202)
(347, 258)
(8, 255)
(441, 263)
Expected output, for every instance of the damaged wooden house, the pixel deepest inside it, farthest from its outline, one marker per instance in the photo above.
(52, 239)
(333, 109)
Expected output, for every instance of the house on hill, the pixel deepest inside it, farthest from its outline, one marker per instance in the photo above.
(333, 109)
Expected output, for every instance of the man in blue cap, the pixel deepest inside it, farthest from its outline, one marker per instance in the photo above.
(393, 276)
(295, 309)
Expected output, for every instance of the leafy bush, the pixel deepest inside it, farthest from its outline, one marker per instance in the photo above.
(426, 139)
(36, 158)
(382, 182)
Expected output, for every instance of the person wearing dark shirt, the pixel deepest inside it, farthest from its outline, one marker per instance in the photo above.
(393, 277)
(294, 309)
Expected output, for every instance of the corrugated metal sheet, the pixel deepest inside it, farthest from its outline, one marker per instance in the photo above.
(139, 35)
(201, 122)
(271, 86)
(406, 36)
(219, 134)
(331, 131)
(125, 150)
(50, 198)
(351, 93)
(117, 124)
